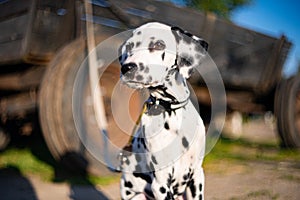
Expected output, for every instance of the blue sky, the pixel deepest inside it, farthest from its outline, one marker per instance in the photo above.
(273, 17)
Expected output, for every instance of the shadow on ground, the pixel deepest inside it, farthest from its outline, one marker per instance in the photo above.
(14, 185)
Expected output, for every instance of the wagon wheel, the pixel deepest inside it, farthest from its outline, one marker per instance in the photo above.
(55, 110)
(287, 110)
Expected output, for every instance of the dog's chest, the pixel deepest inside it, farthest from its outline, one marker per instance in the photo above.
(163, 123)
(171, 133)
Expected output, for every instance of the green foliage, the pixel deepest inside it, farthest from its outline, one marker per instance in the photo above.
(222, 8)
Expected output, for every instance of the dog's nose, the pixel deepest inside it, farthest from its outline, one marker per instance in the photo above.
(128, 67)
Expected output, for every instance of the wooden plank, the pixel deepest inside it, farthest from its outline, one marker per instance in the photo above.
(53, 27)
(35, 30)
(22, 81)
(273, 70)
(242, 101)
(19, 104)
(13, 32)
(14, 8)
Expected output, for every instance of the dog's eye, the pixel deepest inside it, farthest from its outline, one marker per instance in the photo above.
(159, 45)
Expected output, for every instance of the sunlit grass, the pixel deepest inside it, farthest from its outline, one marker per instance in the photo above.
(225, 150)
(240, 150)
(26, 163)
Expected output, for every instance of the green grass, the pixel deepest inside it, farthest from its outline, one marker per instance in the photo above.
(42, 164)
(26, 163)
(240, 150)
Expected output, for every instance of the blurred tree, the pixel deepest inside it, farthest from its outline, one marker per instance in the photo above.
(222, 8)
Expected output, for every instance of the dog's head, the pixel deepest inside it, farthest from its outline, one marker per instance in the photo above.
(155, 50)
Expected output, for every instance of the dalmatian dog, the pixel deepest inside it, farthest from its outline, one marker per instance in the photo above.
(164, 158)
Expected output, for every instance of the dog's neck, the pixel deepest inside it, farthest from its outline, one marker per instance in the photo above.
(171, 95)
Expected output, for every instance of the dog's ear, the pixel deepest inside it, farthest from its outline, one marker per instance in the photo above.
(190, 50)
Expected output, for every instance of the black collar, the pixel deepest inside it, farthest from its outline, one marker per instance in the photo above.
(157, 106)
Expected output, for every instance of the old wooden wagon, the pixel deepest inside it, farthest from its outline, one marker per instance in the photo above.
(42, 46)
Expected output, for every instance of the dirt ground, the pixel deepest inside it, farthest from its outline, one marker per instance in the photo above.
(225, 180)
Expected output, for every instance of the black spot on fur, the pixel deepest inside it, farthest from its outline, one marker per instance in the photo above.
(169, 196)
(185, 60)
(147, 70)
(139, 32)
(162, 190)
(200, 187)
(185, 143)
(141, 141)
(163, 56)
(192, 187)
(200, 197)
(150, 46)
(185, 177)
(128, 184)
(127, 161)
(128, 192)
(129, 46)
(201, 46)
(167, 126)
(153, 174)
(151, 167)
(175, 189)
(170, 179)
(204, 44)
(188, 34)
(139, 77)
(145, 177)
(137, 44)
(154, 159)
(142, 67)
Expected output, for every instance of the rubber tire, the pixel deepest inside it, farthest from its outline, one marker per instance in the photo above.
(287, 111)
(55, 111)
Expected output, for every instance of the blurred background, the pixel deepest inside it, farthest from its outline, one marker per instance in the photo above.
(43, 43)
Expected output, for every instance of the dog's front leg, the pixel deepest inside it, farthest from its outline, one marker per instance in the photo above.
(160, 190)
(132, 188)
